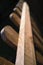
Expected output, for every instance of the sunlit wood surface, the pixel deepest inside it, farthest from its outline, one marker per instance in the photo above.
(25, 50)
(9, 35)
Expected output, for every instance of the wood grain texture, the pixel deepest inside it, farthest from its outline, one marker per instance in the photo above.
(16, 20)
(33, 22)
(39, 57)
(36, 33)
(3, 61)
(9, 35)
(20, 3)
(36, 41)
(7, 40)
(25, 51)
(38, 44)
(38, 36)
(17, 11)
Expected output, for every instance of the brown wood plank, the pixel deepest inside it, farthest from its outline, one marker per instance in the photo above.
(17, 10)
(4, 61)
(39, 57)
(7, 40)
(16, 20)
(35, 39)
(33, 22)
(9, 35)
(38, 43)
(25, 42)
(19, 5)
(38, 36)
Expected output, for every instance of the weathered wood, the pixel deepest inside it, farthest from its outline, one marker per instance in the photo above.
(17, 11)
(9, 35)
(4, 61)
(25, 51)
(16, 20)
(18, 8)
(39, 57)
(33, 22)
(7, 40)
(38, 43)
(35, 39)
(19, 5)
(38, 36)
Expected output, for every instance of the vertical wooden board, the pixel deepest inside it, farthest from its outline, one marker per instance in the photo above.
(25, 51)
(29, 46)
(20, 51)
